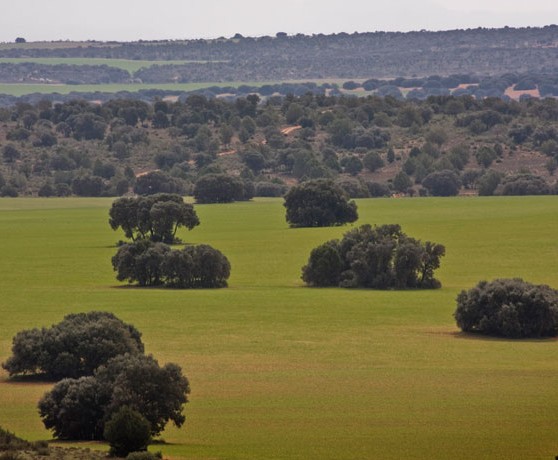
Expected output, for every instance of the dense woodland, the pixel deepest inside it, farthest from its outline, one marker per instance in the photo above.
(372, 146)
(342, 55)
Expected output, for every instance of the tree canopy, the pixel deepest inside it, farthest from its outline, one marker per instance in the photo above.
(155, 217)
(508, 308)
(74, 347)
(318, 203)
(381, 257)
(79, 408)
(127, 431)
(155, 264)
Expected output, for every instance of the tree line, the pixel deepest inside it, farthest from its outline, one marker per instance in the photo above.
(341, 55)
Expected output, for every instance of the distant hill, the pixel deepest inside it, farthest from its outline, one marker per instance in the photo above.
(343, 56)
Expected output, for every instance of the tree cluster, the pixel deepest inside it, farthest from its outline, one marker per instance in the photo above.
(380, 257)
(154, 217)
(340, 55)
(80, 408)
(74, 347)
(508, 308)
(101, 367)
(156, 264)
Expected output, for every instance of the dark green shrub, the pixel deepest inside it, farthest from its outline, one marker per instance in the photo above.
(74, 347)
(127, 431)
(374, 257)
(79, 408)
(508, 308)
(155, 264)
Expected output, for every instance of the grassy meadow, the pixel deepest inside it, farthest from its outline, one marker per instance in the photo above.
(21, 89)
(281, 371)
(131, 65)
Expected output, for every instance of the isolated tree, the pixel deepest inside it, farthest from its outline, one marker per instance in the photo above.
(318, 203)
(74, 347)
(508, 308)
(79, 408)
(375, 257)
(155, 217)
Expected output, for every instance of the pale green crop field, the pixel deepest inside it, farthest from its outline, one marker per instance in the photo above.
(281, 371)
(17, 89)
(131, 65)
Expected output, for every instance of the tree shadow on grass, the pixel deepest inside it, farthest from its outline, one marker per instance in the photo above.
(490, 338)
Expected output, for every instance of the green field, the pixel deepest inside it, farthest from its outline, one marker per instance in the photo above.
(16, 89)
(21, 89)
(281, 371)
(126, 64)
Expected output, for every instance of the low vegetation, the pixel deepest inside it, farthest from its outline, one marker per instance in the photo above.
(509, 308)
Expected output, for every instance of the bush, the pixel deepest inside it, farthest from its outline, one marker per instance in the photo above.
(155, 264)
(127, 431)
(318, 203)
(375, 257)
(508, 308)
(79, 408)
(74, 347)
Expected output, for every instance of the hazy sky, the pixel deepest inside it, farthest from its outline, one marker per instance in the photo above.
(175, 19)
